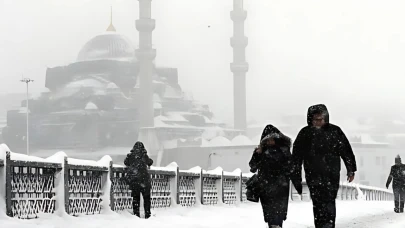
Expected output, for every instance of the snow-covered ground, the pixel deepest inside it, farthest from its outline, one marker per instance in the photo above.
(351, 214)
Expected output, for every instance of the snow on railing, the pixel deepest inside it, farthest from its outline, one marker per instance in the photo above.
(348, 191)
(63, 185)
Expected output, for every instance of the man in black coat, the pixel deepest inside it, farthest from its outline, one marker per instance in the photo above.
(138, 177)
(398, 174)
(320, 146)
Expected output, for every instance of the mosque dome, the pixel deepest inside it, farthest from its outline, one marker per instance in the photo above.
(107, 46)
(110, 45)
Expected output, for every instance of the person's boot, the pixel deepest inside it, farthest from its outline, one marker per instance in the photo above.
(396, 210)
(147, 215)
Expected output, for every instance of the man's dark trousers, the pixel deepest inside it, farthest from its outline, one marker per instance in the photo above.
(136, 191)
(323, 195)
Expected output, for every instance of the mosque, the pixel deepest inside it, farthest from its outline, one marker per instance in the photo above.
(113, 94)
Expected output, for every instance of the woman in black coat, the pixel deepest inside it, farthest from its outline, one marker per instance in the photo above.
(272, 158)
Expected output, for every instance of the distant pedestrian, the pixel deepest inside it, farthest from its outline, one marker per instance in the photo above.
(398, 174)
(137, 162)
(320, 146)
(272, 160)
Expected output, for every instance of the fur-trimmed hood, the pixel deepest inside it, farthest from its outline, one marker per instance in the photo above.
(271, 132)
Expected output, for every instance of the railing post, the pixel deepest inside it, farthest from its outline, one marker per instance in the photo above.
(8, 184)
(111, 176)
(241, 187)
(201, 187)
(66, 184)
(222, 187)
(177, 185)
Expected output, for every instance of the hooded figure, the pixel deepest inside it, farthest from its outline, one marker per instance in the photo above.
(320, 146)
(139, 181)
(272, 160)
(398, 174)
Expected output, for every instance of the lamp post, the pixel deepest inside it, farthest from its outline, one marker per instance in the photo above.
(27, 81)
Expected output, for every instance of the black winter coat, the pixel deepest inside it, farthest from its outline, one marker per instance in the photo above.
(137, 162)
(274, 168)
(321, 150)
(398, 174)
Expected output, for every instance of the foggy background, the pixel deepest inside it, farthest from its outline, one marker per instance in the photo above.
(347, 54)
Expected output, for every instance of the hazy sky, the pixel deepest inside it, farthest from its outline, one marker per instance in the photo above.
(347, 54)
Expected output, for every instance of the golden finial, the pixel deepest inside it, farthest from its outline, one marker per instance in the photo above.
(111, 26)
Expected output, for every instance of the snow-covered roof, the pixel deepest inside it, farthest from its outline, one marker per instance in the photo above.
(241, 140)
(157, 105)
(159, 122)
(175, 117)
(352, 125)
(207, 120)
(220, 141)
(170, 92)
(367, 139)
(212, 132)
(91, 106)
(87, 82)
(112, 85)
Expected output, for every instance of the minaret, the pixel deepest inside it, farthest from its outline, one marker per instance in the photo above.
(111, 27)
(239, 66)
(145, 55)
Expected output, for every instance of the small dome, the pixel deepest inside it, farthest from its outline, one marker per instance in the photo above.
(220, 141)
(112, 85)
(91, 106)
(241, 140)
(110, 45)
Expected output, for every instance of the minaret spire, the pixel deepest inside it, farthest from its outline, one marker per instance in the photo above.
(146, 55)
(239, 66)
(111, 27)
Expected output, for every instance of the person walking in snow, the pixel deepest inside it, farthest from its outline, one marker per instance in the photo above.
(139, 180)
(320, 146)
(272, 160)
(398, 174)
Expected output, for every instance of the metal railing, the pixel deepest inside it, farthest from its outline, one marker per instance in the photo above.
(34, 187)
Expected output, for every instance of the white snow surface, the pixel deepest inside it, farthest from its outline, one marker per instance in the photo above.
(217, 171)
(196, 170)
(235, 173)
(91, 106)
(212, 132)
(219, 141)
(100, 163)
(350, 214)
(241, 140)
(23, 157)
